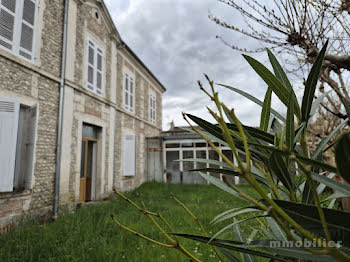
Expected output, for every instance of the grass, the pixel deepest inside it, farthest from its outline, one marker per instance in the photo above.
(89, 234)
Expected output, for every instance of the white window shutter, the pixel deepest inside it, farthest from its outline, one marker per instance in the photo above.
(95, 68)
(154, 108)
(90, 65)
(9, 112)
(126, 90)
(129, 155)
(99, 71)
(150, 107)
(27, 29)
(131, 92)
(30, 145)
(7, 23)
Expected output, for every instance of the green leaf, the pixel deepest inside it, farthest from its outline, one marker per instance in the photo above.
(283, 254)
(325, 141)
(223, 186)
(233, 214)
(230, 172)
(276, 126)
(275, 228)
(280, 169)
(216, 170)
(339, 187)
(342, 156)
(205, 161)
(212, 129)
(265, 112)
(308, 216)
(234, 225)
(251, 132)
(228, 212)
(315, 163)
(229, 255)
(331, 204)
(268, 234)
(279, 72)
(228, 115)
(216, 135)
(255, 132)
(290, 132)
(311, 83)
(308, 196)
(334, 196)
(240, 236)
(299, 131)
(321, 187)
(255, 100)
(291, 252)
(317, 103)
(311, 162)
(273, 82)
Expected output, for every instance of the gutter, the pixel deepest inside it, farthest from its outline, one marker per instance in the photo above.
(60, 113)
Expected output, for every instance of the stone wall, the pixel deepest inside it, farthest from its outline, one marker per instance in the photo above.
(38, 84)
(138, 122)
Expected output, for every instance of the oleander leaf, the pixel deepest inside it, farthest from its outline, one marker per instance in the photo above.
(311, 84)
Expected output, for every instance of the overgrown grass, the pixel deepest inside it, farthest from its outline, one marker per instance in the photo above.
(89, 234)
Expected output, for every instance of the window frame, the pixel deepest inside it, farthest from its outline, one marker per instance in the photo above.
(125, 173)
(128, 96)
(15, 44)
(97, 50)
(21, 173)
(152, 107)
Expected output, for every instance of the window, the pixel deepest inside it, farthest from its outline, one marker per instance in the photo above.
(17, 27)
(152, 107)
(129, 155)
(94, 67)
(18, 125)
(129, 92)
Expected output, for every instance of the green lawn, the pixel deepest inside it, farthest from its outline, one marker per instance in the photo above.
(89, 234)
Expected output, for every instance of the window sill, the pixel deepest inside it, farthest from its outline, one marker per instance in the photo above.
(25, 192)
(93, 92)
(128, 177)
(131, 112)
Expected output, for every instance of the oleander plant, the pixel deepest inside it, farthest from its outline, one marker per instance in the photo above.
(296, 193)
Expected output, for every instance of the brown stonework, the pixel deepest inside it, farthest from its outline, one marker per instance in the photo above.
(41, 86)
(92, 111)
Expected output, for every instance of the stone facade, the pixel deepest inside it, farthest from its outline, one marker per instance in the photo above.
(139, 122)
(39, 83)
(36, 83)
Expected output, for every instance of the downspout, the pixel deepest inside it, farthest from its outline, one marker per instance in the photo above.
(120, 46)
(60, 113)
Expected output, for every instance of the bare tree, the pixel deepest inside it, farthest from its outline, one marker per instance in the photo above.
(297, 30)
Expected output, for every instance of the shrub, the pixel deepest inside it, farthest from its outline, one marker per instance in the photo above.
(299, 222)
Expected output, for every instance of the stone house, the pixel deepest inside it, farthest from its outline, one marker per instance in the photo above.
(76, 107)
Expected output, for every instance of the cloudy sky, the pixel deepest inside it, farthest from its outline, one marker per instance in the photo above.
(177, 41)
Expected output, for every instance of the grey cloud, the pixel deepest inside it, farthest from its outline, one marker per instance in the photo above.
(177, 41)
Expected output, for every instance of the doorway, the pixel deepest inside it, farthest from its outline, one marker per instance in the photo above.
(88, 163)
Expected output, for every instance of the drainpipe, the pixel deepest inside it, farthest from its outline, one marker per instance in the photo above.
(120, 46)
(60, 113)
